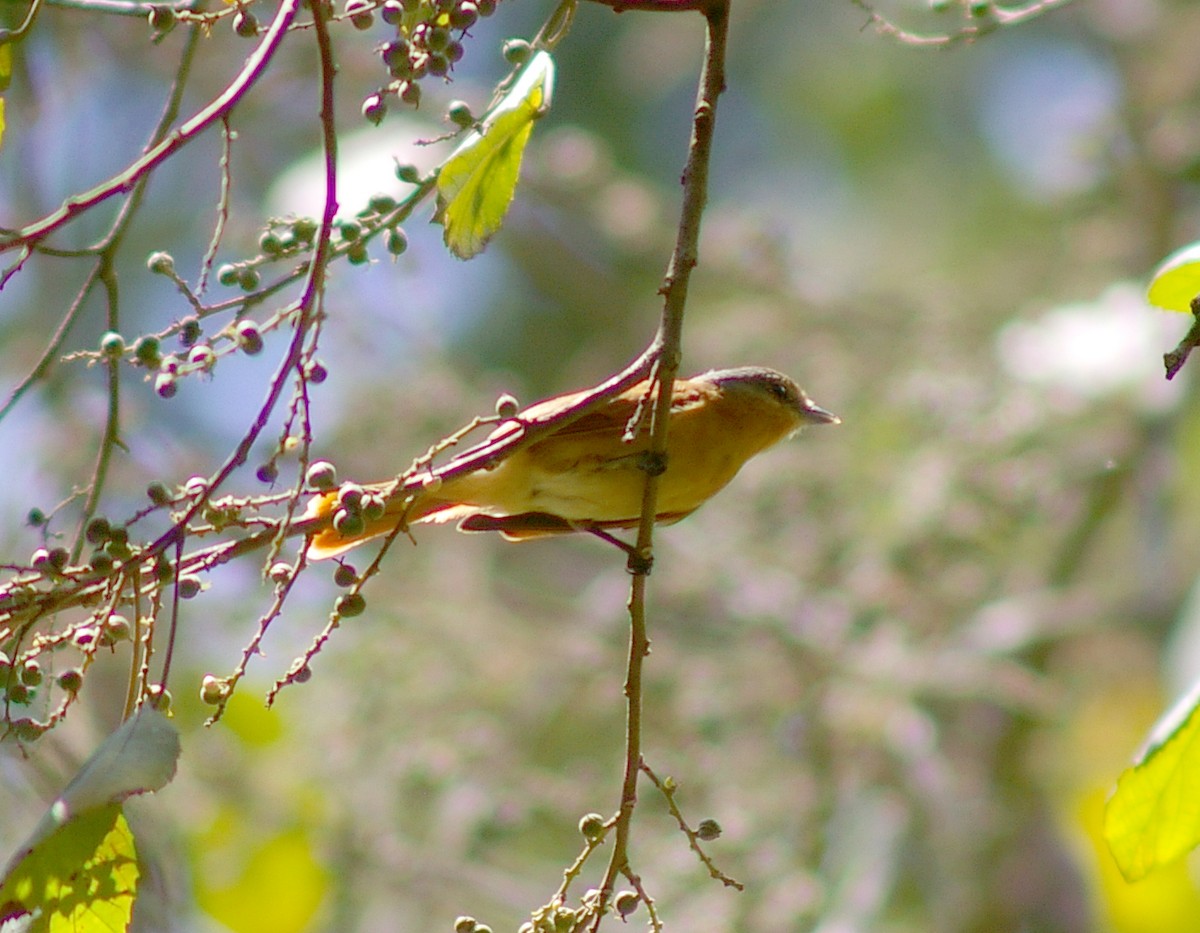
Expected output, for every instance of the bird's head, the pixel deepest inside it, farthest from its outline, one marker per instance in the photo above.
(775, 389)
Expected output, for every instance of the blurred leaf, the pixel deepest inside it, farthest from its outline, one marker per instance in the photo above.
(279, 888)
(1177, 281)
(476, 185)
(1153, 816)
(82, 879)
(78, 871)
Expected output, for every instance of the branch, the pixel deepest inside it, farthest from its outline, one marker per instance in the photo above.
(667, 347)
(254, 68)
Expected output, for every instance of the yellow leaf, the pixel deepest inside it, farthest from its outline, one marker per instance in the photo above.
(1177, 281)
(476, 185)
(1153, 816)
(82, 879)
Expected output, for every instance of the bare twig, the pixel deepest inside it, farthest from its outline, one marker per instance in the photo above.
(667, 352)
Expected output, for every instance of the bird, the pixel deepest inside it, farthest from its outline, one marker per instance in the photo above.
(588, 475)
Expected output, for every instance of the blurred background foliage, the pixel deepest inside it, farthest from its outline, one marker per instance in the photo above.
(901, 661)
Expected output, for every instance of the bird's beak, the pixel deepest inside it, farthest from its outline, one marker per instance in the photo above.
(815, 414)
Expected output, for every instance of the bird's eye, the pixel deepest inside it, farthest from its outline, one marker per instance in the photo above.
(780, 391)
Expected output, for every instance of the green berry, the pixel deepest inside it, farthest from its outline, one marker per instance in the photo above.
(101, 562)
(58, 558)
(464, 15)
(437, 38)
(321, 475)
(190, 331)
(31, 673)
(213, 690)
(161, 19)
(112, 345)
(344, 575)
(507, 406)
(361, 13)
(517, 51)
(459, 113)
(35, 518)
(189, 586)
(708, 830)
(202, 357)
(357, 254)
(248, 279)
(227, 275)
(382, 203)
(350, 230)
(280, 572)
(407, 173)
(304, 229)
(245, 24)
(373, 508)
(374, 109)
(269, 244)
(18, 693)
(350, 605)
(70, 680)
(350, 496)
(397, 241)
(147, 351)
(159, 697)
(453, 51)
(116, 629)
(626, 903)
(302, 674)
(438, 65)
(410, 93)
(465, 925)
(392, 12)
(97, 530)
(161, 263)
(157, 493)
(348, 523)
(485, 7)
(249, 338)
(591, 826)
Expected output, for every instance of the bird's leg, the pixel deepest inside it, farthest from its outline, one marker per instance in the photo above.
(638, 564)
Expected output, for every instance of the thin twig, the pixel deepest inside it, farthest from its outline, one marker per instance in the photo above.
(667, 344)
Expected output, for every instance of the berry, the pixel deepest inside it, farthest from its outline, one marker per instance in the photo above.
(147, 351)
(213, 690)
(267, 473)
(35, 518)
(397, 241)
(249, 338)
(591, 826)
(161, 19)
(164, 385)
(392, 12)
(348, 523)
(202, 357)
(360, 13)
(315, 372)
(321, 475)
(459, 113)
(189, 586)
(161, 263)
(407, 173)
(98, 530)
(374, 109)
(190, 331)
(381, 203)
(708, 830)
(304, 229)
(345, 576)
(357, 254)
(70, 680)
(248, 279)
(517, 51)
(626, 903)
(507, 406)
(245, 24)
(350, 605)
(112, 345)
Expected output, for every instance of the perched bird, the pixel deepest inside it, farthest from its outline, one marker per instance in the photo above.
(586, 476)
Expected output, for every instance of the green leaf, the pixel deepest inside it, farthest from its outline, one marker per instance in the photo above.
(82, 879)
(1153, 817)
(78, 871)
(1177, 281)
(476, 184)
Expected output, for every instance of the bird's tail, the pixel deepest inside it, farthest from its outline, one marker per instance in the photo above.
(330, 542)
